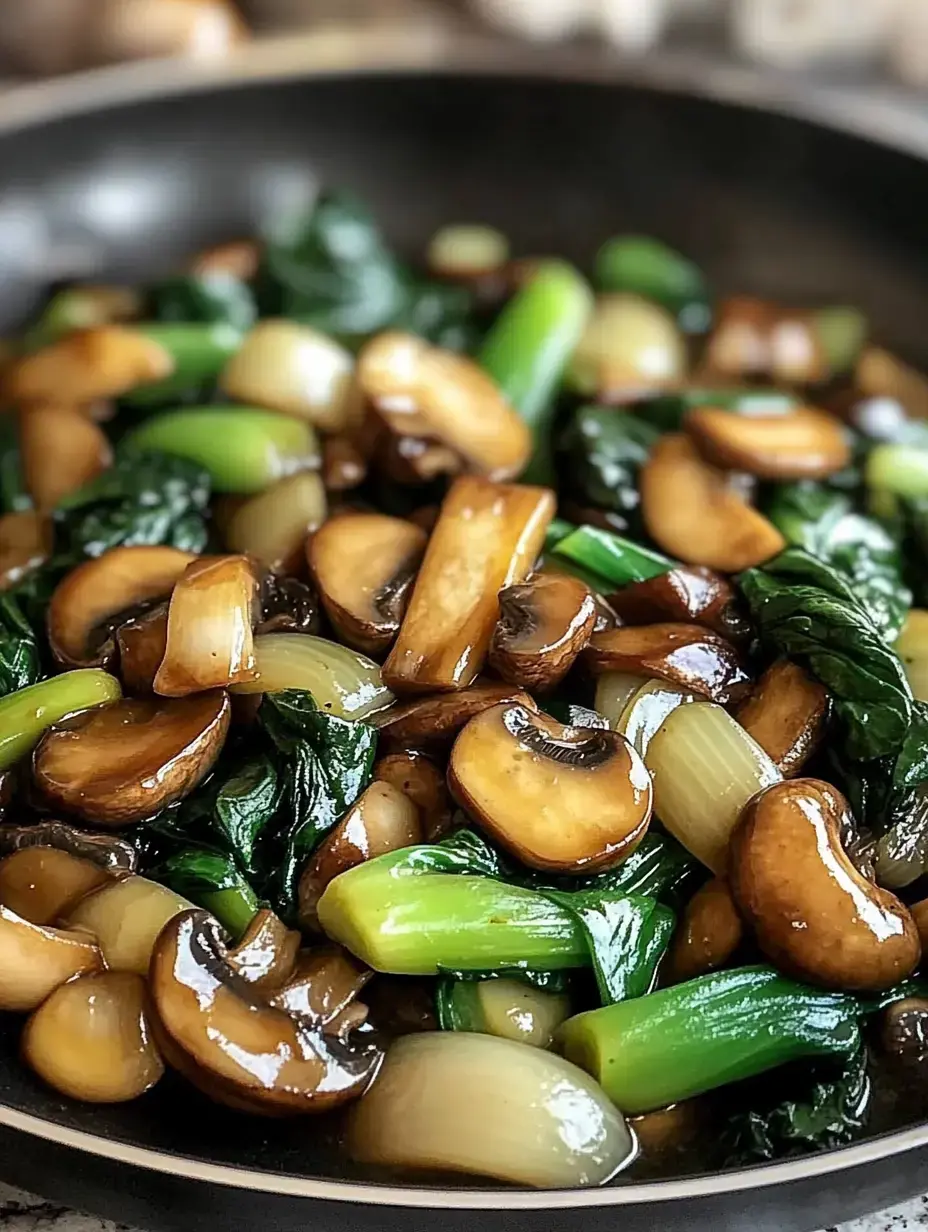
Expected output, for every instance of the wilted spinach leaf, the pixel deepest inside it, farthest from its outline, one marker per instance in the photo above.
(604, 452)
(244, 806)
(20, 659)
(211, 299)
(659, 868)
(212, 880)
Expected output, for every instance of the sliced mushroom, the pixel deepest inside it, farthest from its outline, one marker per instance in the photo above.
(41, 883)
(920, 916)
(126, 917)
(692, 512)
(813, 914)
(401, 1005)
(142, 642)
(287, 606)
(323, 985)
(682, 595)
(127, 761)
(543, 625)
(755, 338)
(251, 1048)
(904, 1030)
(266, 955)
(687, 655)
(272, 526)
(423, 391)
(25, 543)
(433, 722)
(786, 714)
(882, 375)
(487, 537)
(566, 799)
(383, 819)
(343, 464)
(103, 362)
(34, 960)
(708, 934)
(235, 258)
(111, 854)
(210, 643)
(364, 565)
(412, 460)
(418, 777)
(96, 596)
(91, 1040)
(61, 451)
(799, 444)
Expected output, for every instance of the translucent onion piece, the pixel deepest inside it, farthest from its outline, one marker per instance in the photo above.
(478, 1104)
(343, 682)
(467, 249)
(705, 768)
(629, 344)
(647, 710)
(516, 1011)
(912, 649)
(126, 918)
(614, 690)
(273, 526)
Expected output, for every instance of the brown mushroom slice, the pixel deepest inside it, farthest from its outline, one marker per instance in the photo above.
(383, 819)
(799, 444)
(433, 722)
(210, 619)
(111, 854)
(920, 916)
(267, 952)
(235, 258)
(813, 914)
(488, 536)
(343, 465)
(91, 1040)
(364, 565)
(420, 390)
(127, 761)
(708, 934)
(418, 777)
(126, 917)
(684, 594)
(61, 451)
(687, 655)
(272, 526)
(25, 543)
(102, 362)
(324, 984)
(904, 1030)
(235, 1037)
(35, 959)
(881, 374)
(84, 604)
(141, 643)
(692, 512)
(41, 883)
(564, 799)
(786, 714)
(543, 625)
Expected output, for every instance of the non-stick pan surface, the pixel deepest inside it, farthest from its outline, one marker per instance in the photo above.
(122, 175)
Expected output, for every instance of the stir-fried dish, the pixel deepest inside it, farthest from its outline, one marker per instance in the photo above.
(481, 703)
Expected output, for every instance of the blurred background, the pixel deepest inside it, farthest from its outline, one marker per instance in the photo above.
(875, 39)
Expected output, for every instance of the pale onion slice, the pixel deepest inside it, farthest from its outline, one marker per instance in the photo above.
(516, 1011)
(126, 918)
(273, 525)
(912, 649)
(614, 690)
(342, 682)
(477, 1104)
(705, 768)
(647, 710)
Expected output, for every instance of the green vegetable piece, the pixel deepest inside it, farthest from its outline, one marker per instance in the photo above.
(244, 450)
(841, 333)
(617, 560)
(199, 351)
(14, 496)
(652, 269)
(211, 880)
(899, 469)
(676, 1043)
(27, 713)
(244, 806)
(528, 348)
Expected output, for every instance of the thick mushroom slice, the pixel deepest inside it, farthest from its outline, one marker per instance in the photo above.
(210, 620)
(564, 799)
(25, 543)
(141, 642)
(364, 565)
(802, 443)
(383, 819)
(488, 536)
(266, 954)
(61, 450)
(103, 362)
(687, 655)
(34, 960)
(94, 597)
(433, 722)
(322, 987)
(709, 932)
(122, 763)
(813, 913)
(41, 883)
(420, 390)
(111, 854)
(686, 594)
(543, 625)
(786, 714)
(419, 778)
(126, 917)
(248, 1047)
(691, 511)
(91, 1040)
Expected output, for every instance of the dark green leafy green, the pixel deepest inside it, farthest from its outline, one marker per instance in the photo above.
(461, 852)
(13, 494)
(20, 658)
(604, 452)
(212, 880)
(245, 805)
(210, 299)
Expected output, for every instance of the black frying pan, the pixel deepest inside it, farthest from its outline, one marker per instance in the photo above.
(123, 173)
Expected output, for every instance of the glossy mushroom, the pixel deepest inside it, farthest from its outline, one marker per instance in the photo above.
(103, 362)
(689, 656)
(94, 597)
(35, 959)
(141, 642)
(122, 763)
(418, 777)
(266, 954)
(433, 722)
(685, 594)
(543, 625)
(108, 852)
(801, 443)
(813, 914)
(786, 714)
(708, 934)
(564, 799)
(364, 565)
(61, 451)
(41, 883)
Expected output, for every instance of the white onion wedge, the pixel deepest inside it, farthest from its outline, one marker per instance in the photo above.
(912, 649)
(614, 690)
(478, 1104)
(647, 709)
(126, 918)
